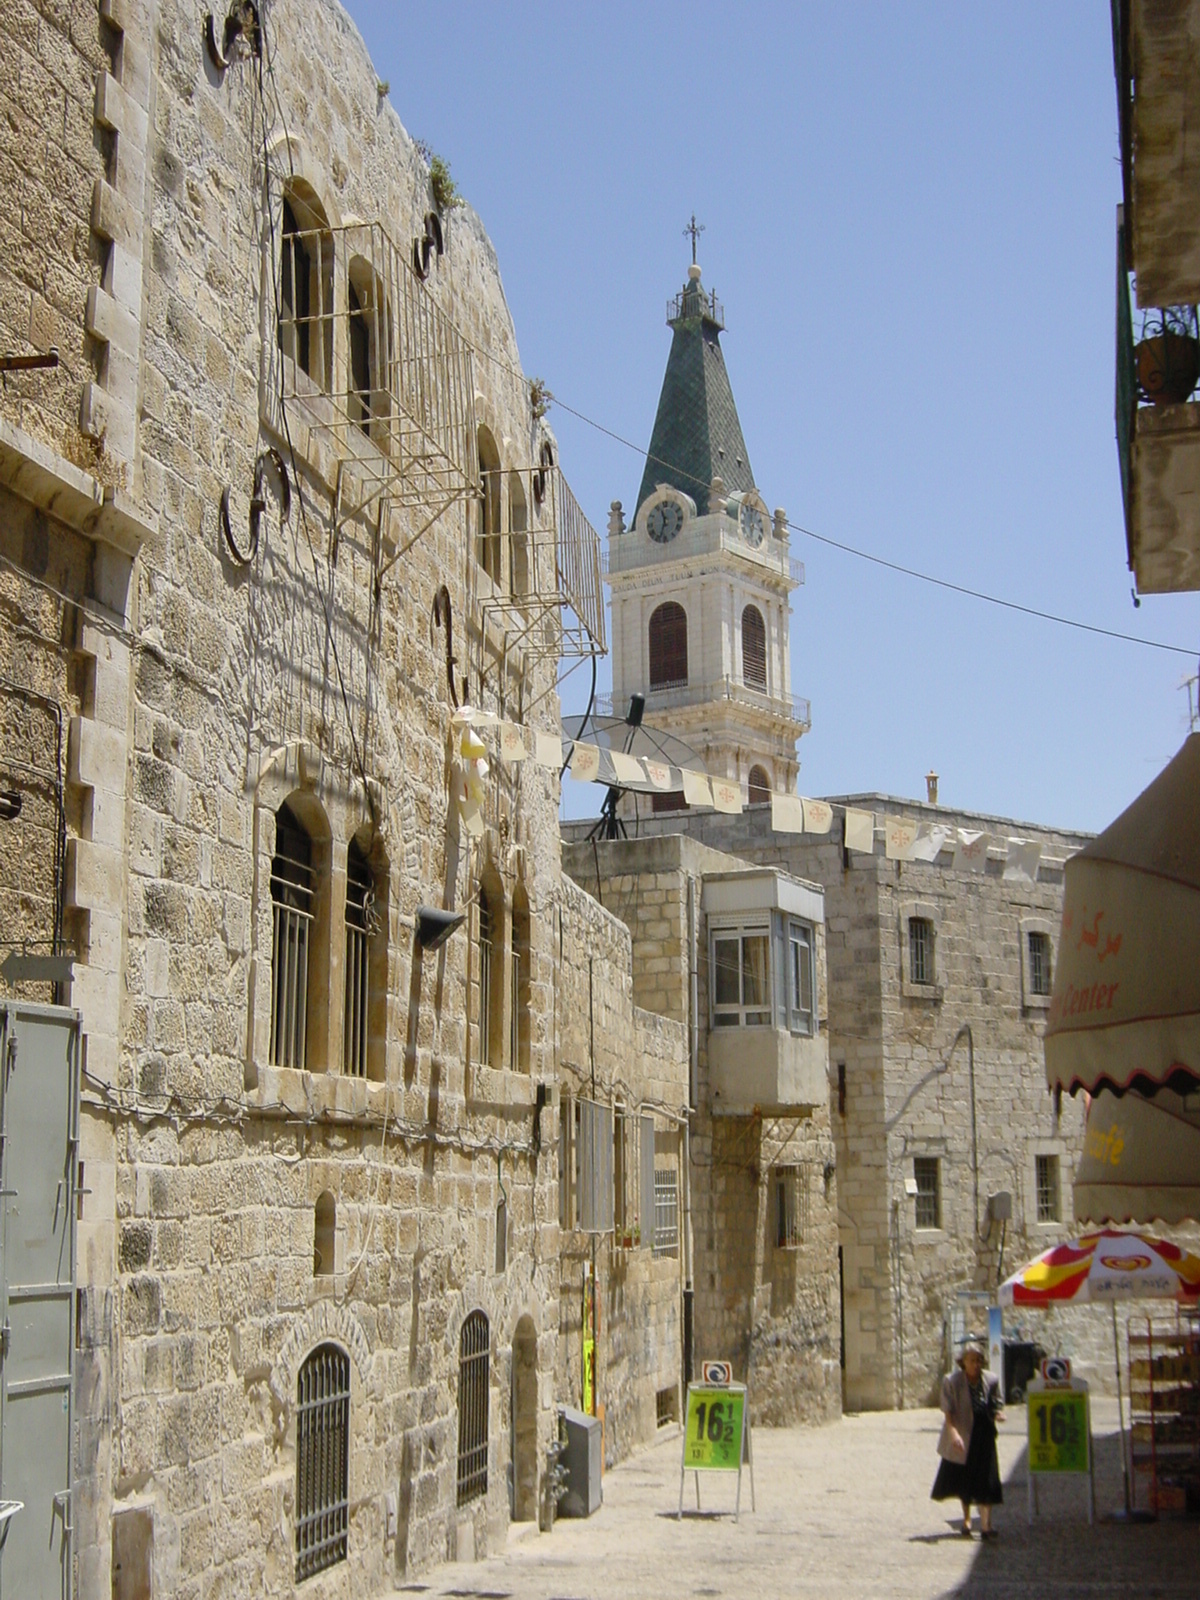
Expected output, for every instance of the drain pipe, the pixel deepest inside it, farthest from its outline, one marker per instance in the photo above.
(965, 1033)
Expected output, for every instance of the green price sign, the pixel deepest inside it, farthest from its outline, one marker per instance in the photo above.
(712, 1440)
(1058, 1430)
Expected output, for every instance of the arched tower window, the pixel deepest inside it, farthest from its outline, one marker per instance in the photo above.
(488, 547)
(760, 786)
(473, 1408)
(306, 284)
(754, 648)
(668, 646)
(322, 1460)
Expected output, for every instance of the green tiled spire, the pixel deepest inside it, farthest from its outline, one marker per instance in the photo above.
(697, 435)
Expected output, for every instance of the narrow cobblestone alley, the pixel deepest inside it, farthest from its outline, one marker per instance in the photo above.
(843, 1511)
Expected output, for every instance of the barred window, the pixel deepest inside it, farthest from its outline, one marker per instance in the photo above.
(668, 646)
(754, 648)
(292, 913)
(666, 1212)
(1046, 1173)
(305, 331)
(1039, 964)
(519, 1040)
(360, 896)
(926, 1171)
(473, 1349)
(322, 1460)
(791, 1207)
(920, 950)
(491, 996)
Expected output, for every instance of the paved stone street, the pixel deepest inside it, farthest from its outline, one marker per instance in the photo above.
(842, 1511)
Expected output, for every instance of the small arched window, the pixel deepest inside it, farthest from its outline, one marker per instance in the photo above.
(759, 786)
(322, 1460)
(491, 972)
(754, 648)
(668, 646)
(292, 896)
(473, 1345)
(370, 340)
(488, 546)
(306, 285)
(518, 530)
(521, 959)
(324, 1235)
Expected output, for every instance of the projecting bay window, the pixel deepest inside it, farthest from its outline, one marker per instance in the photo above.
(745, 960)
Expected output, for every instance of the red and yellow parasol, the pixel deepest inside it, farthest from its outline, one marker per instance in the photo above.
(1109, 1264)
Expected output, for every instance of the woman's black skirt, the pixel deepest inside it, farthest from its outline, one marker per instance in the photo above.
(977, 1480)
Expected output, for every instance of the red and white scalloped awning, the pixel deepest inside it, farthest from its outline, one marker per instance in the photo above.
(1125, 1010)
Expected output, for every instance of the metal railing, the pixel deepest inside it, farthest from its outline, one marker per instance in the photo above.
(696, 302)
(289, 985)
(322, 1460)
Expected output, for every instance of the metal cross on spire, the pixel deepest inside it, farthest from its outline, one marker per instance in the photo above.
(695, 229)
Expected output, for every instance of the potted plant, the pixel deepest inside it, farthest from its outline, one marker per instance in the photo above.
(1168, 355)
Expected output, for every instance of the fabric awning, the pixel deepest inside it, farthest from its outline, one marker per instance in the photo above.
(1141, 1159)
(1125, 1010)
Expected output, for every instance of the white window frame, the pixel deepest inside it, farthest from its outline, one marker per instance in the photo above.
(800, 944)
(1031, 925)
(666, 1213)
(727, 1014)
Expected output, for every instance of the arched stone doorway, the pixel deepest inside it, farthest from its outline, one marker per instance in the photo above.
(525, 1410)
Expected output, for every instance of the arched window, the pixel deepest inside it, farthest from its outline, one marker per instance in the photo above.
(292, 897)
(360, 912)
(521, 955)
(370, 340)
(491, 972)
(473, 1408)
(760, 786)
(324, 1235)
(668, 646)
(754, 648)
(306, 284)
(488, 546)
(518, 527)
(322, 1460)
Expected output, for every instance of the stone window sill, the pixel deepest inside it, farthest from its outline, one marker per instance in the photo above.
(932, 992)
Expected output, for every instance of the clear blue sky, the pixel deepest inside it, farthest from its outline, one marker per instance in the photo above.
(909, 216)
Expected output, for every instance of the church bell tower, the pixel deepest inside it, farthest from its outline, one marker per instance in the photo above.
(701, 579)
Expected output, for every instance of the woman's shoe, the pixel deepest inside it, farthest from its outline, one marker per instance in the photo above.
(965, 1529)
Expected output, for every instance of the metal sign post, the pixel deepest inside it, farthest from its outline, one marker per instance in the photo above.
(716, 1436)
(1060, 1432)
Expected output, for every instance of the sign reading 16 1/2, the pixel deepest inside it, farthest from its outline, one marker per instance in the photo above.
(1058, 1431)
(713, 1436)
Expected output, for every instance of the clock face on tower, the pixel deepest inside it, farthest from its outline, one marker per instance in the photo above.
(664, 521)
(753, 527)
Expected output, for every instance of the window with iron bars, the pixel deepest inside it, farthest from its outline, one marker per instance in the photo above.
(927, 1172)
(1046, 1175)
(488, 996)
(292, 913)
(920, 950)
(473, 1352)
(1039, 964)
(359, 906)
(666, 1212)
(322, 1460)
(791, 1206)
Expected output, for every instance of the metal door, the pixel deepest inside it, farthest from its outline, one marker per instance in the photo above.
(39, 1120)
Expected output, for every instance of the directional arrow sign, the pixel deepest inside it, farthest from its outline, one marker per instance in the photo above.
(36, 969)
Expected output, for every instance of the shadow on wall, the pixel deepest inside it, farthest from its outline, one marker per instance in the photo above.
(1060, 1554)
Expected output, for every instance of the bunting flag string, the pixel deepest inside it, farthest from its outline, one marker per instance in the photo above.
(905, 838)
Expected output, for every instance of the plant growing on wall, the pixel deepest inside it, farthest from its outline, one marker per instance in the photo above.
(445, 191)
(539, 398)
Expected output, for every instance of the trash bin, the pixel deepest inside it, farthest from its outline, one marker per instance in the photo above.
(581, 1461)
(1022, 1358)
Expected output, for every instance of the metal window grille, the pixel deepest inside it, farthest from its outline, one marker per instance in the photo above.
(621, 1217)
(668, 646)
(646, 1177)
(754, 648)
(666, 1212)
(1039, 963)
(292, 897)
(920, 950)
(1047, 1188)
(322, 1460)
(473, 1347)
(514, 1027)
(487, 995)
(359, 898)
(566, 1218)
(593, 1167)
(929, 1191)
(791, 1207)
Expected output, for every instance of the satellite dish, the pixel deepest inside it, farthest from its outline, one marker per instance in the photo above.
(630, 736)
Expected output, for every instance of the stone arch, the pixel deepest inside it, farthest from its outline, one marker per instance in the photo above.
(326, 1322)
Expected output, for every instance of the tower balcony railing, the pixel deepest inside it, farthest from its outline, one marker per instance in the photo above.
(669, 697)
(696, 302)
(627, 552)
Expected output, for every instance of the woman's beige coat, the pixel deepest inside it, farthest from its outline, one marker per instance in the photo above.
(960, 1416)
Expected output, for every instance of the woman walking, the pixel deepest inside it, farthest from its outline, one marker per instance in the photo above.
(970, 1469)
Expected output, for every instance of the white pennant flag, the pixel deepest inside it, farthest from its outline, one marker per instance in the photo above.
(1022, 863)
(727, 795)
(787, 813)
(695, 788)
(818, 816)
(626, 768)
(512, 744)
(547, 750)
(585, 763)
(900, 834)
(931, 836)
(659, 775)
(970, 851)
(860, 831)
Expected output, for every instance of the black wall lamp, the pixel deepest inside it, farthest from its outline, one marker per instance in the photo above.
(434, 926)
